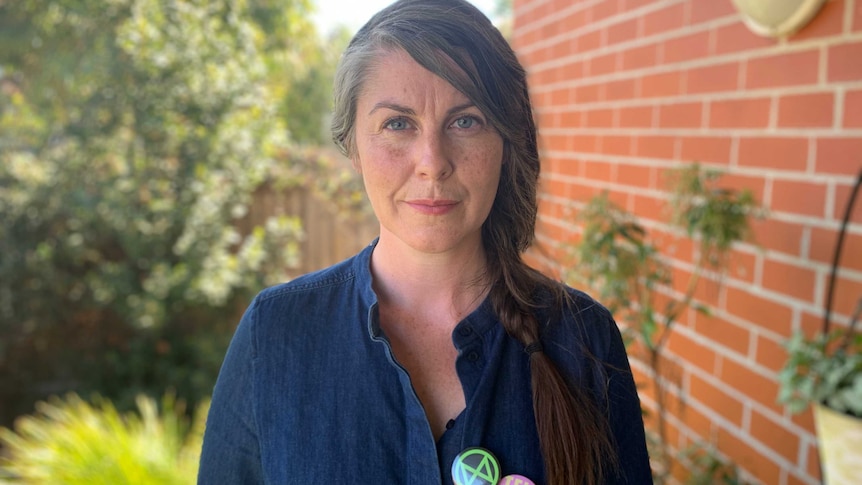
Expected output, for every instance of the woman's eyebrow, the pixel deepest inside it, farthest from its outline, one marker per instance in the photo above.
(408, 111)
(393, 107)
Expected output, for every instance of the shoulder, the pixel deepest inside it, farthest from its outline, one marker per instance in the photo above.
(579, 321)
(311, 302)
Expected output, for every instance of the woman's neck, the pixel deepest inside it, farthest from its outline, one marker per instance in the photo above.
(454, 282)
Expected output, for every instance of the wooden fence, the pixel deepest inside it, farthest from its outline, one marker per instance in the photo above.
(329, 236)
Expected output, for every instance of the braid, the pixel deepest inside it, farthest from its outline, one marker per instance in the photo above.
(573, 434)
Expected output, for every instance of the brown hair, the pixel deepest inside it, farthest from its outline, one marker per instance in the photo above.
(454, 40)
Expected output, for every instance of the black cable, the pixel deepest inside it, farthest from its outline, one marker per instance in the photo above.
(837, 257)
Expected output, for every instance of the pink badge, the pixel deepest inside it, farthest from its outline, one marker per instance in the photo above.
(516, 480)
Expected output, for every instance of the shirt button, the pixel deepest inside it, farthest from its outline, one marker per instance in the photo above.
(465, 331)
(473, 356)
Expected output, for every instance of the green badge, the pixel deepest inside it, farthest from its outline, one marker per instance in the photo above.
(475, 466)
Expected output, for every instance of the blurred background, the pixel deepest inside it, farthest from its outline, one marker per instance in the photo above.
(161, 161)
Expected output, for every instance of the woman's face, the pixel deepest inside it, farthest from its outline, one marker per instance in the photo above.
(429, 159)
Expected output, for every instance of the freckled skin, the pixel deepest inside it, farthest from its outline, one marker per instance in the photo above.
(428, 157)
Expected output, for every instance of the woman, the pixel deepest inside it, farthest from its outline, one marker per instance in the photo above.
(437, 340)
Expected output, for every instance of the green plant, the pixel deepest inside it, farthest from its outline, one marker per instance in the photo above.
(132, 136)
(616, 257)
(73, 442)
(827, 367)
(707, 467)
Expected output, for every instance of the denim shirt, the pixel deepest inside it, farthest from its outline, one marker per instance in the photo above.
(310, 391)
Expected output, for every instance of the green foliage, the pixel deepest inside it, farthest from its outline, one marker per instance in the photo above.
(73, 442)
(718, 217)
(617, 258)
(132, 135)
(824, 369)
(706, 467)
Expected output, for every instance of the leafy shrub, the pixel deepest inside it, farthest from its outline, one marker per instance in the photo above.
(73, 442)
(132, 135)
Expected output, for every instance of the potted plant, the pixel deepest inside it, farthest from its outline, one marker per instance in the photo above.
(825, 372)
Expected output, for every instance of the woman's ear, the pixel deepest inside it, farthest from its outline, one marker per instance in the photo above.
(354, 160)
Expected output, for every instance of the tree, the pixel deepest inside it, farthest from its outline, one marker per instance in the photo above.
(132, 133)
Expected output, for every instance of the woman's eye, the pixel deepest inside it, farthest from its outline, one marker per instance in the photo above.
(465, 122)
(397, 124)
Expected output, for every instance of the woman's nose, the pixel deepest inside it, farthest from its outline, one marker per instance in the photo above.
(432, 157)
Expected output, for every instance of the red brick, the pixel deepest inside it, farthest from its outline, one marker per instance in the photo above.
(777, 437)
(574, 21)
(622, 31)
(845, 62)
(604, 64)
(823, 246)
(811, 324)
(789, 279)
(761, 312)
(740, 113)
(723, 333)
(686, 48)
(697, 422)
(563, 48)
(777, 153)
(814, 469)
(741, 266)
(839, 155)
(584, 143)
(740, 452)
(743, 379)
(634, 175)
(703, 11)
(589, 93)
(599, 118)
(597, 171)
(561, 96)
(568, 119)
(655, 146)
(680, 115)
(799, 197)
(640, 57)
(589, 41)
(716, 399)
(664, 20)
(569, 71)
(648, 207)
(616, 90)
(853, 108)
(615, 145)
(839, 207)
(692, 352)
(600, 11)
(635, 116)
(827, 22)
(770, 353)
(806, 110)
(712, 149)
(661, 85)
(636, 4)
(736, 37)
(847, 294)
(783, 70)
(710, 79)
(781, 236)
(857, 16)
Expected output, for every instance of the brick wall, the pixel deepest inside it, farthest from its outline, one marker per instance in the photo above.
(625, 89)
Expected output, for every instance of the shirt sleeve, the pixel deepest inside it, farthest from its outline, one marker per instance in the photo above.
(625, 415)
(231, 451)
